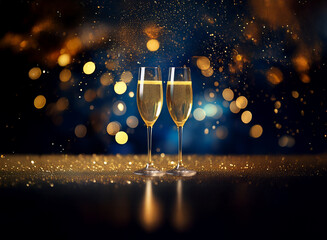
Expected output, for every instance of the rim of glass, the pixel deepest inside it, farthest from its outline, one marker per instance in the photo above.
(180, 67)
(149, 67)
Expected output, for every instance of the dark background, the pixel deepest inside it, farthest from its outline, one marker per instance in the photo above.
(266, 34)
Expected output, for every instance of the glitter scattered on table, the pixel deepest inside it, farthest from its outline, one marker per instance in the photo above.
(107, 169)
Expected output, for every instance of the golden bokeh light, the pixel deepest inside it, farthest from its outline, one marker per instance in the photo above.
(286, 141)
(241, 102)
(295, 94)
(62, 104)
(34, 73)
(239, 57)
(80, 131)
(106, 79)
(112, 64)
(120, 88)
(221, 132)
(246, 117)
(153, 45)
(132, 121)
(126, 76)
(121, 137)
(113, 128)
(301, 63)
(74, 45)
(210, 95)
(233, 108)
(228, 94)
(65, 75)
(119, 108)
(277, 104)
(89, 68)
(64, 59)
(256, 131)
(305, 78)
(199, 114)
(274, 76)
(207, 73)
(90, 95)
(203, 63)
(39, 101)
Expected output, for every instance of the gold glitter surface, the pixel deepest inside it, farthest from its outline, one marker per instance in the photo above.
(32, 170)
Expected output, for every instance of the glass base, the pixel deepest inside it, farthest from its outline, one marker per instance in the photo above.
(150, 171)
(181, 171)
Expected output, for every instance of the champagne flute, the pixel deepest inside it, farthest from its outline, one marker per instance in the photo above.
(149, 103)
(179, 101)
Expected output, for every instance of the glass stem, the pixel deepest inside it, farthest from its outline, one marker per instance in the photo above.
(180, 140)
(149, 137)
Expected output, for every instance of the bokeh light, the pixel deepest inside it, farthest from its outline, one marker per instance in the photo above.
(295, 94)
(80, 131)
(153, 45)
(246, 117)
(39, 101)
(208, 72)
(121, 137)
(286, 141)
(89, 68)
(126, 76)
(221, 132)
(113, 128)
(241, 102)
(34, 73)
(203, 63)
(233, 108)
(256, 131)
(90, 95)
(199, 114)
(62, 104)
(228, 94)
(120, 88)
(65, 75)
(64, 59)
(248, 68)
(119, 108)
(106, 79)
(274, 75)
(132, 121)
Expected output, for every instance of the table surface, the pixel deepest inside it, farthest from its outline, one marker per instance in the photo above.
(69, 196)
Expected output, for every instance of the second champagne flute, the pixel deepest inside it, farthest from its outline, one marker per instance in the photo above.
(179, 102)
(149, 103)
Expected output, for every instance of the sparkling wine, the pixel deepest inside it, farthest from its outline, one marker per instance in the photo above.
(149, 100)
(179, 100)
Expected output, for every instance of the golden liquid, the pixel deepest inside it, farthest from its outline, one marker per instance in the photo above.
(149, 100)
(179, 101)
